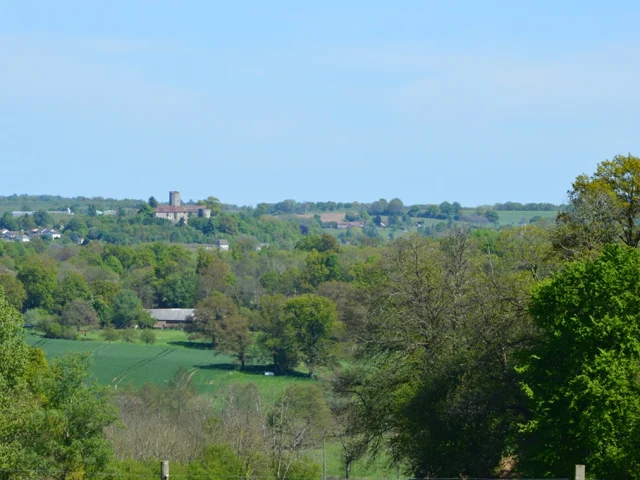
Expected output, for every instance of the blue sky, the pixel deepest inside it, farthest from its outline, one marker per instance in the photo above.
(476, 102)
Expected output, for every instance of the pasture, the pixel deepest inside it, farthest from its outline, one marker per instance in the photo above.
(118, 364)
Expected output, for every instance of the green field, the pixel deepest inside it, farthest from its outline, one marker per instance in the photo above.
(118, 364)
(516, 217)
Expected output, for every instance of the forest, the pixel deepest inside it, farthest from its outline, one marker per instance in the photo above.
(451, 349)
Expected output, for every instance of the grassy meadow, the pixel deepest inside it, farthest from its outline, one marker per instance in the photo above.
(118, 364)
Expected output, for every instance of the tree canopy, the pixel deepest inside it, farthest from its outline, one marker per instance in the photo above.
(583, 378)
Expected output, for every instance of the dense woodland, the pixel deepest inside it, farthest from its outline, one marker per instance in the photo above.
(463, 350)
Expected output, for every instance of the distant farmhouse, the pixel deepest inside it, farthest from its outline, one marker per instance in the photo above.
(176, 212)
(171, 317)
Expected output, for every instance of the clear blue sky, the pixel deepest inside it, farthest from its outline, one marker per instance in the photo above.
(254, 101)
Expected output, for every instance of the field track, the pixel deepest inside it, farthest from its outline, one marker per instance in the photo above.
(119, 378)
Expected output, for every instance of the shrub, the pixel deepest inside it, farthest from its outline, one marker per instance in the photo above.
(110, 334)
(148, 336)
(129, 335)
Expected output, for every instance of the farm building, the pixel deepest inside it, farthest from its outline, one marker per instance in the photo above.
(171, 317)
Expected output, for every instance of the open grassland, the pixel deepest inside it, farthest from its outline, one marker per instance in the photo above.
(325, 216)
(118, 364)
(518, 217)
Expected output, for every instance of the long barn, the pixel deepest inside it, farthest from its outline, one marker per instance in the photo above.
(171, 317)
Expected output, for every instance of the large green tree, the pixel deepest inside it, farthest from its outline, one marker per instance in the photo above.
(583, 378)
(315, 322)
(38, 275)
(14, 291)
(603, 208)
(210, 316)
(277, 334)
(126, 309)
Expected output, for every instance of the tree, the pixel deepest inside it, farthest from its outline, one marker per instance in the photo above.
(278, 335)
(15, 293)
(228, 224)
(446, 209)
(79, 313)
(379, 207)
(324, 243)
(38, 275)
(583, 379)
(213, 204)
(395, 207)
(152, 202)
(42, 218)
(320, 267)
(492, 216)
(431, 380)
(214, 275)
(233, 337)
(92, 210)
(73, 286)
(126, 309)
(296, 422)
(7, 221)
(315, 322)
(25, 222)
(612, 192)
(209, 316)
(177, 290)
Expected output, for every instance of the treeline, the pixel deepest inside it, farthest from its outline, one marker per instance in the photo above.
(83, 205)
(141, 226)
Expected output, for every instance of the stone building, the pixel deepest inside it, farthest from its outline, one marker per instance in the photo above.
(175, 211)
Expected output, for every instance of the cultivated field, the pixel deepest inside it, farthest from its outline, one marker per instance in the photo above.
(118, 364)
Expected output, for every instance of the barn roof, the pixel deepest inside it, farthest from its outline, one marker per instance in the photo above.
(171, 314)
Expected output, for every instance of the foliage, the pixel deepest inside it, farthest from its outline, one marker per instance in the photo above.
(297, 421)
(50, 419)
(126, 309)
(278, 336)
(148, 336)
(13, 289)
(432, 380)
(211, 316)
(583, 379)
(38, 275)
(79, 313)
(314, 320)
(603, 207)
(109, 334)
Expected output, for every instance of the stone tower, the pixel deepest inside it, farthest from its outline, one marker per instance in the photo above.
(174, 199)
